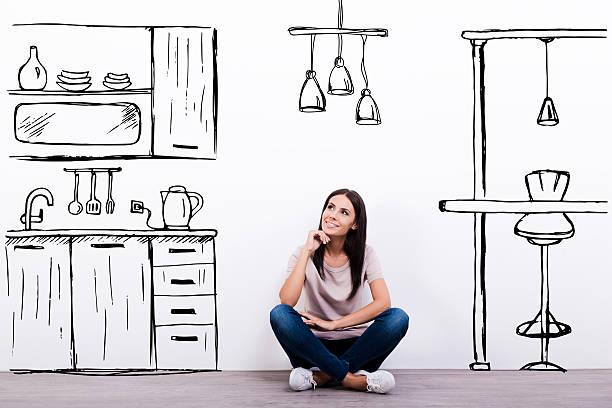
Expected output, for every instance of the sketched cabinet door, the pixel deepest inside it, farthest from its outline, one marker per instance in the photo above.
(111, 303)
(185, 92)
(38, 303)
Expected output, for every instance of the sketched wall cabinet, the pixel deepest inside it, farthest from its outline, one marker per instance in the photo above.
(168, 109)
(38, 294)
(184, 92)
(112, 303)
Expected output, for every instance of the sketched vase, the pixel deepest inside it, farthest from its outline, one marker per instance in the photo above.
(32, 74)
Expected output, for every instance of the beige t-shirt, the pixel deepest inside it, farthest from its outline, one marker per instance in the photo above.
(327, 298)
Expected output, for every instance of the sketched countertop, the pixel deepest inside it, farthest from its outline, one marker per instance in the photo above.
(112, 232)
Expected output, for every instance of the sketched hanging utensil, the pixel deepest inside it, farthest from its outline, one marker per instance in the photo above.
(75, 207)
(93, 206)
(110, 203)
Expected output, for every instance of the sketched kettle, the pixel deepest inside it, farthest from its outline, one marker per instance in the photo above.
(178, 207)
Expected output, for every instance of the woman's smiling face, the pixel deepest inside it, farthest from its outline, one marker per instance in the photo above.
(338, 218)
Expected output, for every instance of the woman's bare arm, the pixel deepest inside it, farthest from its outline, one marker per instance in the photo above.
(292, 288)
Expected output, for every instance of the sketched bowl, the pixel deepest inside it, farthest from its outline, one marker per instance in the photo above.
(74, 87)
(75, 74)
(67, 80)
(117, 86)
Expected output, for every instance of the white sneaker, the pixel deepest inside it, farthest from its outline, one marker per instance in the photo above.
(301, 379)
(380, 381)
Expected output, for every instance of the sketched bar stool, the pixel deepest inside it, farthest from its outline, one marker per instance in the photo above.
(544, 230)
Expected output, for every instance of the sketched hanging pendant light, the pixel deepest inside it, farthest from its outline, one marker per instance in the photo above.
(340, 82)
(367, 110)
(548, 114)
(312, 98)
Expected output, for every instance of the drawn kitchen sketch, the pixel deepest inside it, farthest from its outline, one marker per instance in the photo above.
(112, 300)
(544, 222)
(143, 91)
(126, 301)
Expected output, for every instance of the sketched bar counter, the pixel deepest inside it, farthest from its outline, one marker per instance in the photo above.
(110, 301)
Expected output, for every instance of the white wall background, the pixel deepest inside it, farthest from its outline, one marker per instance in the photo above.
(276, 165)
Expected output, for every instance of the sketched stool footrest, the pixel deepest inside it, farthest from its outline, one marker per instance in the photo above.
(533, 328)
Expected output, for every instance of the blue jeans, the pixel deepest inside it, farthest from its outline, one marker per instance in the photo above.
(336, 358)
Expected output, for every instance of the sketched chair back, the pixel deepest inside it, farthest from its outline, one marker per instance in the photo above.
(547, 184)
(545, 229)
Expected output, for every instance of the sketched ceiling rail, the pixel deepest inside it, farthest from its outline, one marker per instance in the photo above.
(312, 98)
(480, 206)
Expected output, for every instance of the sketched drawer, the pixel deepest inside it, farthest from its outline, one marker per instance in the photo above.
(184, 280)
(191, 250)
(184, 310)
(187, 347)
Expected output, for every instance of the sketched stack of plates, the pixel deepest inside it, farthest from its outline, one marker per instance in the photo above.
(116, 81)
(74, 81)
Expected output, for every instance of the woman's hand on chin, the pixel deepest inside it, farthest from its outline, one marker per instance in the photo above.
(318, 323)
(314, 240)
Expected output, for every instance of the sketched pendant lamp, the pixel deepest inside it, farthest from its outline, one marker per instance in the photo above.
(312, 98)
(340, 82)
(367, 110)
(548, 114)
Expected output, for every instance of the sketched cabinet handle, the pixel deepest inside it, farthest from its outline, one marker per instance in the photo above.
(182, 282)
(112, 303)
(184, 338)
(35, 294)
(185, 92)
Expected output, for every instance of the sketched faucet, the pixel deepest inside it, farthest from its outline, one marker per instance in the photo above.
(27, 218)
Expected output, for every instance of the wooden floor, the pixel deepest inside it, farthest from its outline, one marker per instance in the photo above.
(415, 388)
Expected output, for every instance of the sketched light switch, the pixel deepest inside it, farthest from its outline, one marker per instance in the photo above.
(184, 92)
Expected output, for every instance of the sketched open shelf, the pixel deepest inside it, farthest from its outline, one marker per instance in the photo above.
(170, 111)
(522, 207)
(135, 91)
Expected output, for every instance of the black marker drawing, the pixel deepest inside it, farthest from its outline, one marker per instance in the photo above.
(117, 81)
(178, 208)
(544, 230)
(27, 219)
(312, 98)
(548, 114)
(110, 203)
(111, 301)
(93, 206)
(32, 75)
(74, 81)
(480, 206)
(169, 110)
(75, 207)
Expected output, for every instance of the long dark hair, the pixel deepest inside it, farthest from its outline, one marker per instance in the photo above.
(355, 242)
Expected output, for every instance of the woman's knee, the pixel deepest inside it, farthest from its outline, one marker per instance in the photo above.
(397, 320)
(279, 314)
